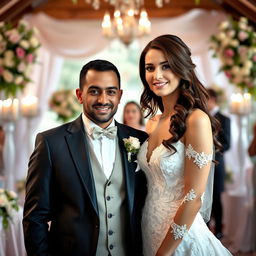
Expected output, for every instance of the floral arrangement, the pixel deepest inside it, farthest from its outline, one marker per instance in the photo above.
(235, 45)
(8, 203)
(65, 104)
(18, 51)
(132, 146)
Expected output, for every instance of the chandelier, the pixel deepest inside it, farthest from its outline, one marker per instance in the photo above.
(130, 19)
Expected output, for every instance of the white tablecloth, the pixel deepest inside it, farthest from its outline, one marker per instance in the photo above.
(12, 239)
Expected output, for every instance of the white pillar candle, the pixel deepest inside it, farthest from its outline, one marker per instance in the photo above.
(10, 109)
(29, 106)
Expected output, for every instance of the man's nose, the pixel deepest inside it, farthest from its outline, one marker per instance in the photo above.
(102, 98)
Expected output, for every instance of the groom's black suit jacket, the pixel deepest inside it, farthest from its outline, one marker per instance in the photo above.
(60, 189)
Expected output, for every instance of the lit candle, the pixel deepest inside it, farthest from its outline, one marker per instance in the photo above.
(9, 109)
(29, 106)
(240, 103)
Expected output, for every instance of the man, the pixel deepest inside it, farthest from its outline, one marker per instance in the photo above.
(80, 179)
(219, 174)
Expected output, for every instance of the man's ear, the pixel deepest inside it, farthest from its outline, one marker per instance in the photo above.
(79, 95)
(120, 94)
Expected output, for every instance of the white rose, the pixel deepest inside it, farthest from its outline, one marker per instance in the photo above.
(12, 194)
(1, 24)
(21, 67)
(3, 200)
(235, 70)
(231, 33)
(8, 62)
(24, 23)
(248, 64)
(9, 54)
(18, 80)
(1, 190)
(24, 44)
(8, 77)
(134, 142)
(224, 25)
(234, 43)
(1, 64)
(245, 71)
(34, 42)
(221, 36)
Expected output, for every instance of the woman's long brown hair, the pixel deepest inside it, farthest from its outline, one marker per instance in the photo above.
(192, 93)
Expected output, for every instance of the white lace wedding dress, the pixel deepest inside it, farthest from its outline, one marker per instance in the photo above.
(164, 174)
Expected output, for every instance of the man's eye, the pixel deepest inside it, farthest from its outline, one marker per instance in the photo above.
(111, 92)
(94, 92)
(149, 68)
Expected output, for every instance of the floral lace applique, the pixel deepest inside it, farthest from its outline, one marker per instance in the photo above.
(200, 159)
(191, 195)
(178, 231)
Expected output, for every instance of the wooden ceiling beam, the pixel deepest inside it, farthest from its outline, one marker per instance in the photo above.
(15, 11)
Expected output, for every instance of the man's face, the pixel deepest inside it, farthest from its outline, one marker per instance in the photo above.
(211, 103)
(100, 96)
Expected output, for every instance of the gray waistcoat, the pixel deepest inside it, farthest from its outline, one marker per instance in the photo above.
(111, 198)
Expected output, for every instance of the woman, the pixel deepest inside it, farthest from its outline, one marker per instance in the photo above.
(177, 156)
(132, 115)
(252, 154)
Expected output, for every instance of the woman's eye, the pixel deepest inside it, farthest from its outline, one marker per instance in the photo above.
(149, 68)
(166, 66)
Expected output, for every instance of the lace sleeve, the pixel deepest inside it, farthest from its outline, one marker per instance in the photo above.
(200, 159)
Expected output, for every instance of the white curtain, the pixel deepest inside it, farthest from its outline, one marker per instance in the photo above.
(77, 39)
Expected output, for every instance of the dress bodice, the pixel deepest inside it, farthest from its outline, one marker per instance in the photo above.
(164, 173)
(165, 181)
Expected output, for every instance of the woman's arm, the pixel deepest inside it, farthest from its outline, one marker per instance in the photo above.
(199, 149)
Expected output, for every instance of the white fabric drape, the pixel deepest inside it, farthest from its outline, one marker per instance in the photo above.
(81, 39)
(77, 39)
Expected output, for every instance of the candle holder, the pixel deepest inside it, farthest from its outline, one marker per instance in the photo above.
(240, 105)
(29, 110)
(9, 110)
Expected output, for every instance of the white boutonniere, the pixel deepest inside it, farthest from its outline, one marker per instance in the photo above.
(132, 146)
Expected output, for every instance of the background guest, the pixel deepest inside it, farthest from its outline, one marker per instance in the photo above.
(132, 115)
(252, 154)
(219, 175)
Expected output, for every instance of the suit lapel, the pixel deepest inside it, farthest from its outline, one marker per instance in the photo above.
(128, 169)
(79, 150)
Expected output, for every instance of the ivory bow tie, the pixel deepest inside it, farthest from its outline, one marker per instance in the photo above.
(109, 132)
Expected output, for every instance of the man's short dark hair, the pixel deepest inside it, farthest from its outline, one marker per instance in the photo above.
(212, 94)
(98, 65)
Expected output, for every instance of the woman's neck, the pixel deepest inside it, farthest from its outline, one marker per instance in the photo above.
(169, 102)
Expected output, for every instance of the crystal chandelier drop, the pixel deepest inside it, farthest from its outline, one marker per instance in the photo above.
(130, 19)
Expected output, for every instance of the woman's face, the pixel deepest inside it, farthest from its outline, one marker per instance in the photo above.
(161, 80)
(132, 114)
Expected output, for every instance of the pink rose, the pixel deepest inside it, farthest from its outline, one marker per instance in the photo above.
(20, 52)
(228, 74)
(242, 35)
(229, 53)
(30, 58)
(254, 58)
(1, 70)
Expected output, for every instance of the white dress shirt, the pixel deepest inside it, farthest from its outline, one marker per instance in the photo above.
(104, 148)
